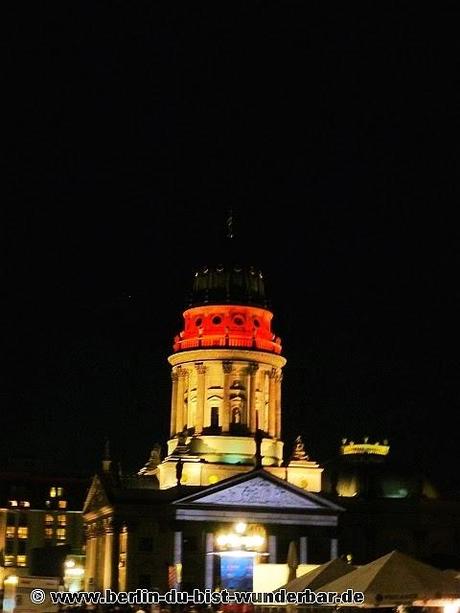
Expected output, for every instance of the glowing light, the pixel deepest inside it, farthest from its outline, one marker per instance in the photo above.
(70, 563)
(364, 448)
(75, 572)
(452, 607)
(238, 554)
(231, 540)
(256, 541)
(12, 580)
(240, 527)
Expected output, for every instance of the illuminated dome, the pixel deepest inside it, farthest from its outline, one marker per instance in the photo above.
(228, 284)
(364, 471)
(228, 308)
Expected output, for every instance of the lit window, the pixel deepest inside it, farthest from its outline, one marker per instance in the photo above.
(13, 503)
(53, 492)
(60, 491)
(10, 560)
(23, 532)
(49, 533)
(49, 519)
(62, 504)
(21, 560)
(10, 532)
(60, 534)
(62, 520)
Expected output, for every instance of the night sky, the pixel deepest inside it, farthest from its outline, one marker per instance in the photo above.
(132, 128)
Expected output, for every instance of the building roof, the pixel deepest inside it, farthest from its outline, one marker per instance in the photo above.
(228, 283)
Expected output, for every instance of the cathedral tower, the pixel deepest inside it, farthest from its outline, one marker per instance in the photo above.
(226, 385)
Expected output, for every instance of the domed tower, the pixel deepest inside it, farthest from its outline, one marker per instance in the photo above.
(226, 384)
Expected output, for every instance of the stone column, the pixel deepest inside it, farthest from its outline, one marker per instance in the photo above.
(174, 378)
(209, 562)
(100, 557)
(178, 558)
(272, 548)
(303, 553)
(227, 366)
(279, 378)
(108, 553)
(334, 548)
(200, 396)
(252, 369)
(90, 564)
(180, 399)
(115, 558)
(272, 403)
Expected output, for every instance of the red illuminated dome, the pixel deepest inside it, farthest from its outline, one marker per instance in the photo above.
(228, 308)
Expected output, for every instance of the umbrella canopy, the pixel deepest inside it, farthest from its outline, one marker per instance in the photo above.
(396, 579)
(319, 576)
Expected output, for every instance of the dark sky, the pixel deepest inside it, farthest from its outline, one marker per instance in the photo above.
(131, 128)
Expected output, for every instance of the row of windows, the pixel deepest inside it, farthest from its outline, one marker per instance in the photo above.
(19, 560)
(62, 504)
(22, 532)
(56, 492)
(60, 533)
(61, 519)
(238, 320)
(19, 503)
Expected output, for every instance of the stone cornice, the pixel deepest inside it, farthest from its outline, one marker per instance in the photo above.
(244, 355)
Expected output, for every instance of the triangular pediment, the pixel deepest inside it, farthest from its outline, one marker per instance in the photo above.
(97, 497)
(259, 490)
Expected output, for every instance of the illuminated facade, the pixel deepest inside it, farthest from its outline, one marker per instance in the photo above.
(223, 495)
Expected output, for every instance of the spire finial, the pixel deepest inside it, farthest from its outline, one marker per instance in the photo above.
(230, 233)
(106, 460)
